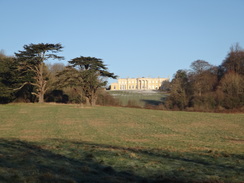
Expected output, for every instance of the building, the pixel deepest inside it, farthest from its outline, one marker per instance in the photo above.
(138, 83)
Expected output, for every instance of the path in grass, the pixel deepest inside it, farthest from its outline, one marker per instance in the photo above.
(65, 143)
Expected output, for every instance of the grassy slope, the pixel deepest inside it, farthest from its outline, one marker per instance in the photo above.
(139, 98)
(65, 143)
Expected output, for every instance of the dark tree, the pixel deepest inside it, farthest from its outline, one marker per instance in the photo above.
(8, 78)
(231, 75)
(179, 91)
(53, 70)
(199, 66)
(203, 77)
(87, 74)
(234, 61)
(203, 80)
(32, 62)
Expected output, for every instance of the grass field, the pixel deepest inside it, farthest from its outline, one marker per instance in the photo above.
(68, 144)
(139, 98)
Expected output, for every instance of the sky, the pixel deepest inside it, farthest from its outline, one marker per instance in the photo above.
(134, 38)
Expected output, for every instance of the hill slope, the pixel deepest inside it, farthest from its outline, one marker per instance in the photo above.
(66, 143)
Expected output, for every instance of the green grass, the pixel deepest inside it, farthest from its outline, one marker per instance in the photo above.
(66, 143)
(139, 98)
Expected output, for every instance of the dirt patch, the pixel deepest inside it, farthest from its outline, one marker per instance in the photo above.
(236, 141)
(136, 140)
(198, 124)
(31, 138)
(30, 131)
(164, 135)
(96, 123)
(23, 112)
(131, 125)
(67, 122)
(6, 127)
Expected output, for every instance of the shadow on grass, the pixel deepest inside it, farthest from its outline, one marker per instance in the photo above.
(21, 161)
(154, 103)
(63, 161)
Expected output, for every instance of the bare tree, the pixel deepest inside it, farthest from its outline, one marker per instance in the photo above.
(235, 60)
(203, 77)
(232, 87)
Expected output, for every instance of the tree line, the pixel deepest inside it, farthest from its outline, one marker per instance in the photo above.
(26, 77)
(206, 87)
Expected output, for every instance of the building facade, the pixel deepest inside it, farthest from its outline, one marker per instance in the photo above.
(138, 83)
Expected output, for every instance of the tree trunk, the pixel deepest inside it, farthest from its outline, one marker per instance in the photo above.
(93, 102)
(88, 101)
(41, 98)
(42, 83)
(93, 98)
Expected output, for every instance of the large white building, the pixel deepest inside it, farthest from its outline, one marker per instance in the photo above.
(138, 83)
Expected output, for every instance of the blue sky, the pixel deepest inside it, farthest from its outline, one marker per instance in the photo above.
(135, 38)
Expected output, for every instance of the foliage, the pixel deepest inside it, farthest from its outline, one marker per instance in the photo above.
(207, 87)
(88, 74)
(9, 78)
(234, 61)
(31, 62)
(165, 86)
(232, 88)
(178, 98)
(104, 98)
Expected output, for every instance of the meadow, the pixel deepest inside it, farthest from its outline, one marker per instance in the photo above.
(139, 98)
(70, 143)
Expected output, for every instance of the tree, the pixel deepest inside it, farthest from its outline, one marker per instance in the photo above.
(53, 70)
(231, 76)
(8, 78)
(55, 94)
(32, 63)
(178, 97)
(199, 66)
(203, 77)
(70, 80)
(165, 86)
(234, 61)
(232, 87)
(88, 74)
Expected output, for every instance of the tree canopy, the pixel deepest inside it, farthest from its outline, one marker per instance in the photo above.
(8, 78)
(87, 73)
(31, 64)
(208, 87)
